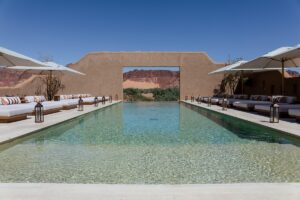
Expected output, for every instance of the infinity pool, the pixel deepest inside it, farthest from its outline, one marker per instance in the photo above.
(152, 143)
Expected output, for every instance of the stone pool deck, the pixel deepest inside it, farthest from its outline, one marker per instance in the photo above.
(247, 191)
(11, 131)
(287, 125)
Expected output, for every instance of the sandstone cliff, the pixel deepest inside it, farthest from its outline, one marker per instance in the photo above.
(144, 79)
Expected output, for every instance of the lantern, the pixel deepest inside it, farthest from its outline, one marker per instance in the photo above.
(96, 102)
(116, 97)
(209, 102)
(192, 98)
(103, 100)
(39, 113)
(80, 104)
(224, 104)
(274, 113)
(199, 100)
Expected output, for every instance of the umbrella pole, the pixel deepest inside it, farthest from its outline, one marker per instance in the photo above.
(242, 77)
(282, 77)
(50, 84)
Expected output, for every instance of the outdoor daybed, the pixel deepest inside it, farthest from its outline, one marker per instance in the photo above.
(234, 98)
(285, 103)
(295, 113)
(49, 106)
(12, 110)
(249, 105)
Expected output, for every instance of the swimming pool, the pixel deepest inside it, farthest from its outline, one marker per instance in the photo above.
(152, 143)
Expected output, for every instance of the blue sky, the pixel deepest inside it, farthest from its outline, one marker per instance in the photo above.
(67, 30)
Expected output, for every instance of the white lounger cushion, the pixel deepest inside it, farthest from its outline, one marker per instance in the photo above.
(48, 105)
(282, 107)
(88, 99)
(215, 100)
(69, 102)
(248, 103)
(294, 112)
(231, 101)
(14, 109)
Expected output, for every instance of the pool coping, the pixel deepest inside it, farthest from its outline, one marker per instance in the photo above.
(15, 130)
(244, 191)
(290, 128)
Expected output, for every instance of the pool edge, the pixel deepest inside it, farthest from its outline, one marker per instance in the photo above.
(226, 113)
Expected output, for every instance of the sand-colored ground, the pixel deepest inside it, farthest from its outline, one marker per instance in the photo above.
(148, 95)
(139, 85)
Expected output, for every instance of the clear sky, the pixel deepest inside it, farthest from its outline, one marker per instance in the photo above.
(68, 29)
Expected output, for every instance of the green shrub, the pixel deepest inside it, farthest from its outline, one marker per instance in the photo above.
(169, 94)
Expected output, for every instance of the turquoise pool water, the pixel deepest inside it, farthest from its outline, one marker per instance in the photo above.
(152, 143)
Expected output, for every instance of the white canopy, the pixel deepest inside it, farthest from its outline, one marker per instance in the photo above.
(277, 59)
(10, 58)
(281, 57)
(228, 68)
(49, 66)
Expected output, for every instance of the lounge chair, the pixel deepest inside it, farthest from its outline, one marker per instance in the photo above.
(285, 103)
(11, 111)
(68, 101)
(49, 106)
(88, 100)
(295, 113)
(249, 105)
(234, 98)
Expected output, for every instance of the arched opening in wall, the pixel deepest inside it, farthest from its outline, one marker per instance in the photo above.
(151, 83)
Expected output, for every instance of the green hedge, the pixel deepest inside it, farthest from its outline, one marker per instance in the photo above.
(169, 94)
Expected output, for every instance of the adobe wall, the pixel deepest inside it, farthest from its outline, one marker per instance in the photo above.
(269, 83)
(104, 72)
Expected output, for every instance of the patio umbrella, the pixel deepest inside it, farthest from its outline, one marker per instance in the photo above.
(228, 68)
(233, 68)
(47, 70)
(50, 67)
(278, 59)
(10, 58)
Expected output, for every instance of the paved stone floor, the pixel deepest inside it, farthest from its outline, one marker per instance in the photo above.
(249, 191)
(288, 125)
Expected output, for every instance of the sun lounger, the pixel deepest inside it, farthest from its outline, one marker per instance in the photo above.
(230, 102)
(68, 104)
(283, 109)
(249, 105)
(295, 113)
(49, 106)
(68, 101)
(88, 100)
(284, 102)
(214, 100)
(14, 112)
(233, 98)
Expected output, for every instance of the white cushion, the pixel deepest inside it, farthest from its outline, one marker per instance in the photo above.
(294, 112)
(14, 109)
(88, 99)
(249, 103)
(68, 102)
(51, 105)
(282, 107)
